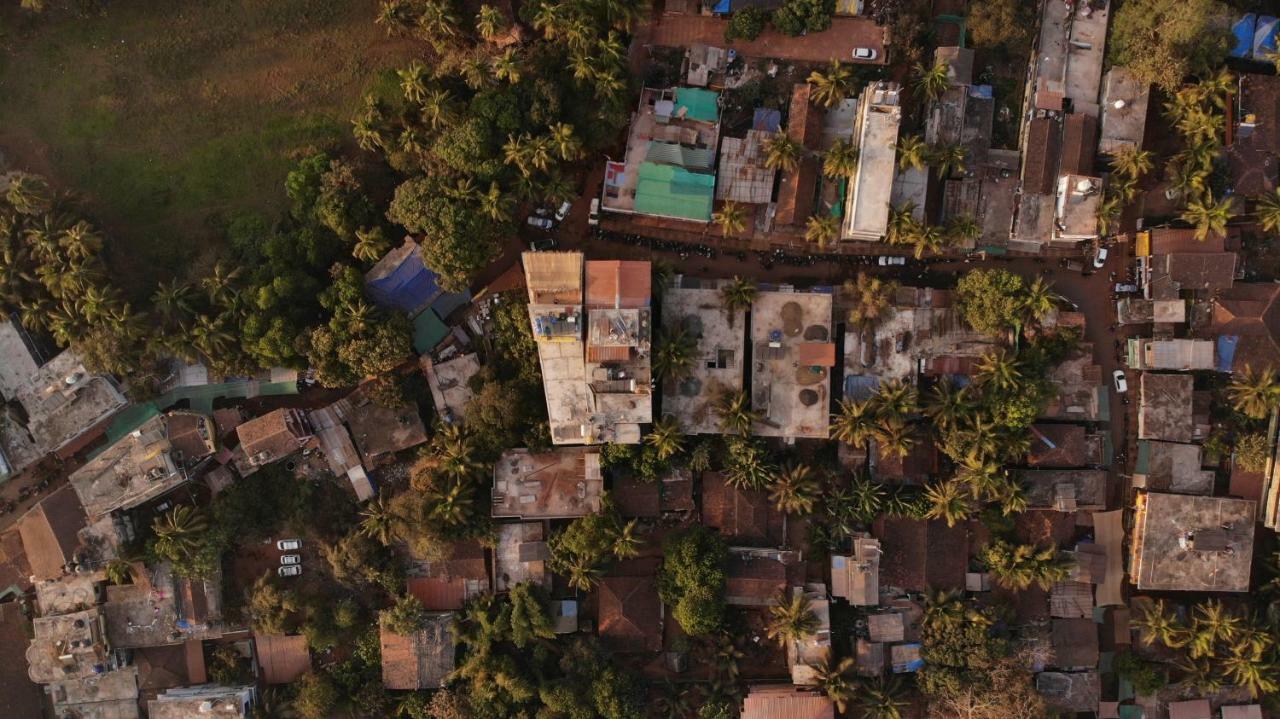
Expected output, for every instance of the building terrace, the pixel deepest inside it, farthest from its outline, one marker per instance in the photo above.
(876, 135)
(1165, 407)
(559, 484)
(696, 307)
(141, 466)
(1192, 543)
(792, 359)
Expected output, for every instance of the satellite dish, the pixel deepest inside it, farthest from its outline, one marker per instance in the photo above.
(1118, 104)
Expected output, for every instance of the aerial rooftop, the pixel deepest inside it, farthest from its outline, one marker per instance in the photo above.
(1124, 111)
(63, 401)
(793, 355)
(421, 661)
(1171, 467)
(1191, 543)
(696, 307)
(1165, 410)
(876, 134)
(558, 484)
(68, 646)
(209, 700)
(135, 469)
(1065, 490)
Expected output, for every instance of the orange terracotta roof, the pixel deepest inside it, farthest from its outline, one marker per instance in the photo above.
(50, 532)
(618, 283)
(283, 658)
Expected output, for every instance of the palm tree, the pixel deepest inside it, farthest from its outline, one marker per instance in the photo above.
(1216, 89)
(557, 188)
(674, 353)
(666, 437)
(516, 151)
(881, 698)
(583, 574)
(1208, 217)
(1268, 212)
(983, 476)
(833, 86)
(178, 530)
(1108, 213)
(28, 194)
(835, 680)
(119, 571)
(1154, 624)
(931, 82)
(378, 521)
(999, 370)
(453, 505)
(738, 295)
(172, 300)
(1211, 623)
(791, 619)
(781, 152)
(437, 108)
(1019, 566)
(870, 298)
(80, 241)
(1039, 300)
(912, 152)
(901, 223)
(396, 16)
(371, 244)
(795, 490)
(413, 81)
(1252, 670)
(507, 66)
(894, 437)
(550, 19)
(840, 160)
(736, 415)
(490, 22)
(924, 238)
(437, 22)
(1254, 395)
(220, 284)
(855, 423)
(896, 400)
(567, 144)
(948, 404)
(495, 204)
(822, 229)
(626, 541)
(963, 228)
(947, 159)
(731, 218)
(1131, 162)
(947, 501)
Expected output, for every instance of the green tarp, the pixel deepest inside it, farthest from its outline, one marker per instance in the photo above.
(674, 192)
(698, 104)
(428, 331)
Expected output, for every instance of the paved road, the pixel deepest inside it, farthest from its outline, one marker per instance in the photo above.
(836, 43)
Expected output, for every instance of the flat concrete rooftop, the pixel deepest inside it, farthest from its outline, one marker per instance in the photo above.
(718, 366)
(1190, 543)
(791, 393)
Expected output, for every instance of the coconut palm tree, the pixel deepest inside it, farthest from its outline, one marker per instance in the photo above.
(221, 283)
(496, 204)
(173, 301)
(931, 82)
(795, 490)
(178, 531)
(1218, 88)
(414, 81)
(736, 415)
(1268, 211)
(982, 475)
(791, 618)
(894, 437)
(437, 22)
(1154, 624)
(912, 152)
(666, 437)
(1211, 624)
(28, 194)
(1018, 566)
(490, 22)
(1208, 216)
(835, 679)
(516, 152)
(1131, 162)
(948, 405)
(870, 299)
(840, 160)
(896, 400)
(731, 218)
(626, 541)
(1108, 213)
(924, 238)
(1255, 671)
(557, 188)
(119, 571)
(371, 244)
(1012, 497)
(822, 230)
(781, 152)
(378, 521)
(738, 295)
(674, 353)
(832, 86)
(1039, 299)
(453, 453)
(901, 223)
(452, 505)
(947, 160)
(396, 16)
(881, 698)
(1254, 394)
(508, 66)
(962, 228)
(80, 241)
(999, 370)
(947, 501)
(855, 423)
(583, 574)
(566, 142)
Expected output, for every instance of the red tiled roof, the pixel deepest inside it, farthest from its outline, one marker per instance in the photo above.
(1040, 158)
(804, 120)
(1079, 142)
(620, 283)
(796, 191)
(283, 658)
(273, 435)
(742, 514)
(596, 353)
(1249, 310)
(919, 555)
(635, 498)
(1171, 240)
(630, 614)
(49, 532)
(786, 702)
(443, 595)
(1067, 450)
(1245, 484)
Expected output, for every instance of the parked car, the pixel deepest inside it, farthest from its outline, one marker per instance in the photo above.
(289, 545)
(887, 260)
(543, 244)
(541, 223)
(593, 217)
(1072, 265)
(291, 559)
(542, 212)
(291, 570)
(563, 212)
(866, 54)
(1100, 259)
(1126, 288)
(1122, 384)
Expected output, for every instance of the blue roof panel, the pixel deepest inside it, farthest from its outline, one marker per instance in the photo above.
(1243, 30)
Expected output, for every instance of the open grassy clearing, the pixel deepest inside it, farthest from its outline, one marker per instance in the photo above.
(171, 116)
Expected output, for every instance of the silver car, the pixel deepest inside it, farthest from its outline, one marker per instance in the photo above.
(291, 570)
(291, 559)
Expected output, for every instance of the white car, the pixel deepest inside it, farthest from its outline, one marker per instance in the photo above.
(291, 570)
(1100, 259)
(866, 54)
(290, 559)
(563, 212)
(593, 218)
(541, 223)
(289, 545)
(1122, 384)
(886, 260)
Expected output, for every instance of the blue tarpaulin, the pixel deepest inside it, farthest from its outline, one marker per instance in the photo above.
(1264, 38)
(766, 119)
(858, 387)
(1243, 30)
(404, 282)
(1227, 351)
(721, 8)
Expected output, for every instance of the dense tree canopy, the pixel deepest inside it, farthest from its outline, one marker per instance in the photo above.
(692, 579)
(1164, 41)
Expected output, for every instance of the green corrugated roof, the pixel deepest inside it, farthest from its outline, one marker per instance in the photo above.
(674, 192)
(428, 331)
(669, 153)
(698, 103)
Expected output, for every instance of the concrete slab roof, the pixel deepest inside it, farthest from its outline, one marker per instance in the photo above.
(1164, 410)
(559, 484)
(696, 307)
(1124, 111)
(520, 556)
(876, 134)
(1191, 543)
(449, 383)
(64, 401)
(793, 399)
(139, 467)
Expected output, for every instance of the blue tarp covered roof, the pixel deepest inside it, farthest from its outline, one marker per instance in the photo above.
(1243, 30)
(1227, 351)
(858, 387)
(401, 280)
(766, 119)
(1264, 37)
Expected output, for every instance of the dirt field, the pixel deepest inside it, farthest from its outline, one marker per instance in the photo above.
(169, 117)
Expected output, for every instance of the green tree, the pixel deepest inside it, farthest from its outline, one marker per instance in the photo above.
(1006, 24)
(674, 353)
(791, 618)
(870, 300)
(1254, 394)
(271, 608)
(931, 81)
(822, 230)
(406, 617)
(692, 577)
(666, 437)
(832, 86)
(529, 620)
(1019, 566)
(1164, 41)
(782, 152)
(1208, 217)
(731, 218)
(990, 301)
(317, 696)
(746, 24)
(947, 501)
(912, 153)
(738, 295)
(1252, 452)
(797, 17)
(458, 238)
(735, 412)
(840, 160)
(1268, 211)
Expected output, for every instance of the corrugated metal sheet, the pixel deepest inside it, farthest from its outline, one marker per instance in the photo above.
(696, 103)
(670, 153)
(674, 192)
